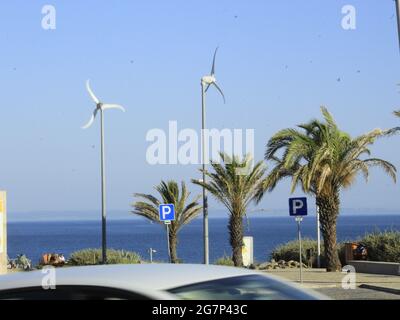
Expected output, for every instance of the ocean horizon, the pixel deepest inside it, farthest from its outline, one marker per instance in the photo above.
(215, 213)
(35, 238)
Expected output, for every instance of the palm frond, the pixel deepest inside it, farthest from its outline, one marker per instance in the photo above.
(169, 193)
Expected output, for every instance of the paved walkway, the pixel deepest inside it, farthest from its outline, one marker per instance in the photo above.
(330, 284)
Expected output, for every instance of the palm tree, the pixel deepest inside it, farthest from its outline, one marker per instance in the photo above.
(169, 194)
(235, 185)
(397, 113)
(323, 160)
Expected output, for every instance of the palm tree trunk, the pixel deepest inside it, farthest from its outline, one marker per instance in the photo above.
(173, 241)
(329, 212)
(236, 238)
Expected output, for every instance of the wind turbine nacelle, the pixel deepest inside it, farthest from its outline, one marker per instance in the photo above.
(208, 79)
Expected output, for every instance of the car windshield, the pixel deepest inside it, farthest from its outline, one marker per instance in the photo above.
(252, 287)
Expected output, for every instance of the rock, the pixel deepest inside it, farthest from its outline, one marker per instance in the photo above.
(292, 264)
(264, 266)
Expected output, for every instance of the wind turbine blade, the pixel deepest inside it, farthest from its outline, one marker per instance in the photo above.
(95, 99)
(208, 87)
(112, 106)
(89, 124)
(220, 91)
(213, 65)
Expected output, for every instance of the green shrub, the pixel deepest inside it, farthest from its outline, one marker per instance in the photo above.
(89, 257)
(382, 246)
(290, 251)
(224, 261)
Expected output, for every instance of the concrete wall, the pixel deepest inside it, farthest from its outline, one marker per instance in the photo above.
(3, 233)
(388, 268)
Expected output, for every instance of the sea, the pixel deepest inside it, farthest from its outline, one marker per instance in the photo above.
(36, 238)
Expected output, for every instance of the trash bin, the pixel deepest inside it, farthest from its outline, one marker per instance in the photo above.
(361, 252)
(355, 251)
(349, 250)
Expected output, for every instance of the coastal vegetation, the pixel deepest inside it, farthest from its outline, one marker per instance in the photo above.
(290, 252)
(185, 210)
(382, 246)
(225, 260)
(323, 160)
(88, 257)
(235, 184)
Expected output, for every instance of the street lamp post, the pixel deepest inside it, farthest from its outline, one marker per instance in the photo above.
(151, 251)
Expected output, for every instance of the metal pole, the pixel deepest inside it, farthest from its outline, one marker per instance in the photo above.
(205, 200)
(151, 255)
(398, 19)
(318, 239)
(301, 259)
(103, 194)
(169, 251)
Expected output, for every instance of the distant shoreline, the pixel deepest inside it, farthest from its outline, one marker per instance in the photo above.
(218, 217)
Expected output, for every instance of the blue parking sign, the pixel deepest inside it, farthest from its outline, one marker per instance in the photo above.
(298, 207)
(167, 212)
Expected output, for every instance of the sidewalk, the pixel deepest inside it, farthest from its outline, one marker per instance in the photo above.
(330, 283)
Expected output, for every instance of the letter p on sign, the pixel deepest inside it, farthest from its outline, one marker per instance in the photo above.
(298, 207)
(167, 212)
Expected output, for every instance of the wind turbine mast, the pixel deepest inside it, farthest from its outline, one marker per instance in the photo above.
(101, 107)
(206, 82)
(398, 19)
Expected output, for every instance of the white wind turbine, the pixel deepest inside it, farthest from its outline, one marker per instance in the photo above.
(101, 107)
(206, 82)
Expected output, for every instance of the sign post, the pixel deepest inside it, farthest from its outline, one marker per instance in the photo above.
(167, 214)
(167, 223)
(3, 233)
(299, 220)
(298, 209)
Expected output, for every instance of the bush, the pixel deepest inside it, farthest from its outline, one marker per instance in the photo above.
(20, 263)
(89, 257)
(290, 251)
(383, 246)
(225, 261)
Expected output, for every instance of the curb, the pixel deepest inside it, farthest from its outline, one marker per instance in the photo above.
(382, 289)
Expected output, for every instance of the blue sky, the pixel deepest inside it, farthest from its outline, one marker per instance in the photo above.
(278, 62)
